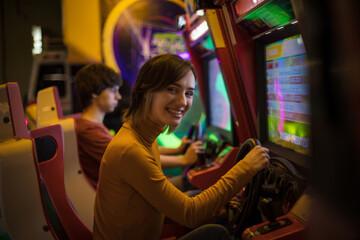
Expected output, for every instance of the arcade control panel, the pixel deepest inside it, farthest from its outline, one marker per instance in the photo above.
(289, 226)
(207, 174)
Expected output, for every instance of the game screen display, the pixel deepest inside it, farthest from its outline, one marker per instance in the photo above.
(288, 109)
(219, 104)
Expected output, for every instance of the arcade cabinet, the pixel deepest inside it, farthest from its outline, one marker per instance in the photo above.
(267, 56)
(204, 36)
(219, 153)
(50, 68)
(221, 132)
(280, 68)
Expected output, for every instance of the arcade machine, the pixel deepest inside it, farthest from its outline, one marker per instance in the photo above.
(284, 127)
(265, 49)
(50, 68)
(219, 136)
(223, 130)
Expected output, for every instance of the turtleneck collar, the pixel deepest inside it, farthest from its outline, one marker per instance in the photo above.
(148, 131)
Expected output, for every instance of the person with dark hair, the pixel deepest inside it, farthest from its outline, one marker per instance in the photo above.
(133, 195)
(97, 87)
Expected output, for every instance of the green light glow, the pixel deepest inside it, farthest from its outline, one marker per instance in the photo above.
(273, 14)
(220, 87)
(208, 43)
(225, 151)
(213, 137)
(112, 132)
(293, 129)
(168, 140)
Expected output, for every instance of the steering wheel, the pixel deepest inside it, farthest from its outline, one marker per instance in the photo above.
(249, 195)
(194, 130)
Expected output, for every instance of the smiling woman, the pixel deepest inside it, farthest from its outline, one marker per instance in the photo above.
(170, 104)
(133, 194)
(168, 76)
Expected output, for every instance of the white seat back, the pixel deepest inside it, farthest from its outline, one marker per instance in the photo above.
(79, 190)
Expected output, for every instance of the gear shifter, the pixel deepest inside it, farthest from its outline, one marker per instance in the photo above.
(267, 209)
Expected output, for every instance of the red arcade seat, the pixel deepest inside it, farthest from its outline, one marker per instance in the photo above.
(20, 199)
(79, 190)
(51, 177)
(33, 201)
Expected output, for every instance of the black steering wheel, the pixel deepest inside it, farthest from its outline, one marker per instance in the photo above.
(194, 130)
(249, 195)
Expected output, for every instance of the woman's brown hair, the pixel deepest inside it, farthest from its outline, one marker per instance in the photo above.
(155, 75)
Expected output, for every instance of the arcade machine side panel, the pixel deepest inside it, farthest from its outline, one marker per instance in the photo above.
(210, 24)
(241, 89)
(243, 49)
(196, 60)
(202, 50)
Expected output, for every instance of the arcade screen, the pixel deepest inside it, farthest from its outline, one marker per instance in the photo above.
(287, 94)
(218, 100)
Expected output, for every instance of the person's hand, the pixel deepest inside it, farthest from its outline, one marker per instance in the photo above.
(190, 157)
(258, 158)
(184, 142)
(233, 203)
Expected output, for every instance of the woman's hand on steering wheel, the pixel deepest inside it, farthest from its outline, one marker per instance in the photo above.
(185, 142)
(191, 155)
(258, 158)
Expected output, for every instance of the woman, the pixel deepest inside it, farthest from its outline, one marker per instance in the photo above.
(133, 194)
(97, 87)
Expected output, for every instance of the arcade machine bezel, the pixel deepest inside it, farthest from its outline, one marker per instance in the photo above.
(204, 177)
(301, 161)
(229, 136)
(241, 94)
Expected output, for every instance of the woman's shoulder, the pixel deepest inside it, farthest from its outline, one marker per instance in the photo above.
(125, 151)
(126, 144)
(126, 140)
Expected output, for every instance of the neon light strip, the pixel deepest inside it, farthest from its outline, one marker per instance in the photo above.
(199, 31)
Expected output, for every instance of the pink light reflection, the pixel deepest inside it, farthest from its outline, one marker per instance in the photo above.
(281, 102)
(184, 55)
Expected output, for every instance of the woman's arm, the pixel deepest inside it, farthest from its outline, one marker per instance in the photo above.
(189, 158)
(169, 161)
(175, 151)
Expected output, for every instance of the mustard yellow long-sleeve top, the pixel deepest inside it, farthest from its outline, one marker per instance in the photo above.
(133, 194)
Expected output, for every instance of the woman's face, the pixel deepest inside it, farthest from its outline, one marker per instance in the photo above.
(169, 105)
(108, 99)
